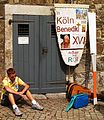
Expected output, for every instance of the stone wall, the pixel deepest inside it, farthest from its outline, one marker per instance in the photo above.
(2, 40)
(81, 73)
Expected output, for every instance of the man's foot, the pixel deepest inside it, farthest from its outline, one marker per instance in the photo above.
(37, 107)
(17, 112)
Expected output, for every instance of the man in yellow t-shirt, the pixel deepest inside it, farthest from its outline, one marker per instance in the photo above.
(13, 89)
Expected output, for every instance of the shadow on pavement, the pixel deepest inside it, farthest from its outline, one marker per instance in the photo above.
(100, 107)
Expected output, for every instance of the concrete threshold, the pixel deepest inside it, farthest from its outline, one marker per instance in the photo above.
(49, 95)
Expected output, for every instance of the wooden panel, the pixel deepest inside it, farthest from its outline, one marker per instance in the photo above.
(38, 63)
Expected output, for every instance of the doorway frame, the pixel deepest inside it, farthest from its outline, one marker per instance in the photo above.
(10, 10)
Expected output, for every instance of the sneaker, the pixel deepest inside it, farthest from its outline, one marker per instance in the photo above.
(17, 112)
(37, 107)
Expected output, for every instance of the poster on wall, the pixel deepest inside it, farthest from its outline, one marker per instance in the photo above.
(71, 28)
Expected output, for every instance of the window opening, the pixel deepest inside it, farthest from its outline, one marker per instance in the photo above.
(53, 30)
(23, 29)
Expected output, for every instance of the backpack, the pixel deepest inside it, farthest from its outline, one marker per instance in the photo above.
(77, 101)
(73, 89)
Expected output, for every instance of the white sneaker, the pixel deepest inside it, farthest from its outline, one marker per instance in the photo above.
(17, 112)
(37, 107)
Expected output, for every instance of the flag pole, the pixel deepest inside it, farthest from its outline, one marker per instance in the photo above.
(92, 38)
(94, 79)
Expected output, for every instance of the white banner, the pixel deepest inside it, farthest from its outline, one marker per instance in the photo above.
(71, 27)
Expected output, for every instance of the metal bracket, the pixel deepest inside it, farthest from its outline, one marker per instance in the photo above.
(19, 21)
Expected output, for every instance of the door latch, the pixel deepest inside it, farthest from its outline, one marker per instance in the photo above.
(44, 51)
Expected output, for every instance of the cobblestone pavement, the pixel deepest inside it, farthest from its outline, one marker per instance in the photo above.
(54, 109)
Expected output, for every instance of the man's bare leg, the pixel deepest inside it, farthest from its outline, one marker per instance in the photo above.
(15, 107)
(29, 95)
(11, 99)
(35, 105)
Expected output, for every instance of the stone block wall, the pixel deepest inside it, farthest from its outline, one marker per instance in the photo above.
(81, 73)
(2, 41)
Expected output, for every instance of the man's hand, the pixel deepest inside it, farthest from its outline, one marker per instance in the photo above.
(21, 93)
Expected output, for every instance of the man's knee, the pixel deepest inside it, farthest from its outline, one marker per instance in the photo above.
(14, 97)
(10, 96)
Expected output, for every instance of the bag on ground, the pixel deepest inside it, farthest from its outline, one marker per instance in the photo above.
(73, 89)
(77, 101)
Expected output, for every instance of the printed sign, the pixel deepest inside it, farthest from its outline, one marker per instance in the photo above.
(23, 40)
(71, 28)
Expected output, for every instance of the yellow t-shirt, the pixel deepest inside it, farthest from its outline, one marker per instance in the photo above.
(15, 85)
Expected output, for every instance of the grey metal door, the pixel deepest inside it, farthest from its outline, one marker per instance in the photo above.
(35, 53)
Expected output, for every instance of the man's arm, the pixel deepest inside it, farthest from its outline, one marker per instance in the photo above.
(26, 87)
(8, 89)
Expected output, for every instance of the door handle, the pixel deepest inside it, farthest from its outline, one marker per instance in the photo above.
(44, 51)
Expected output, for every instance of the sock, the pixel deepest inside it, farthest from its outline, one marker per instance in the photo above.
(14, 106)
(33, 102)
